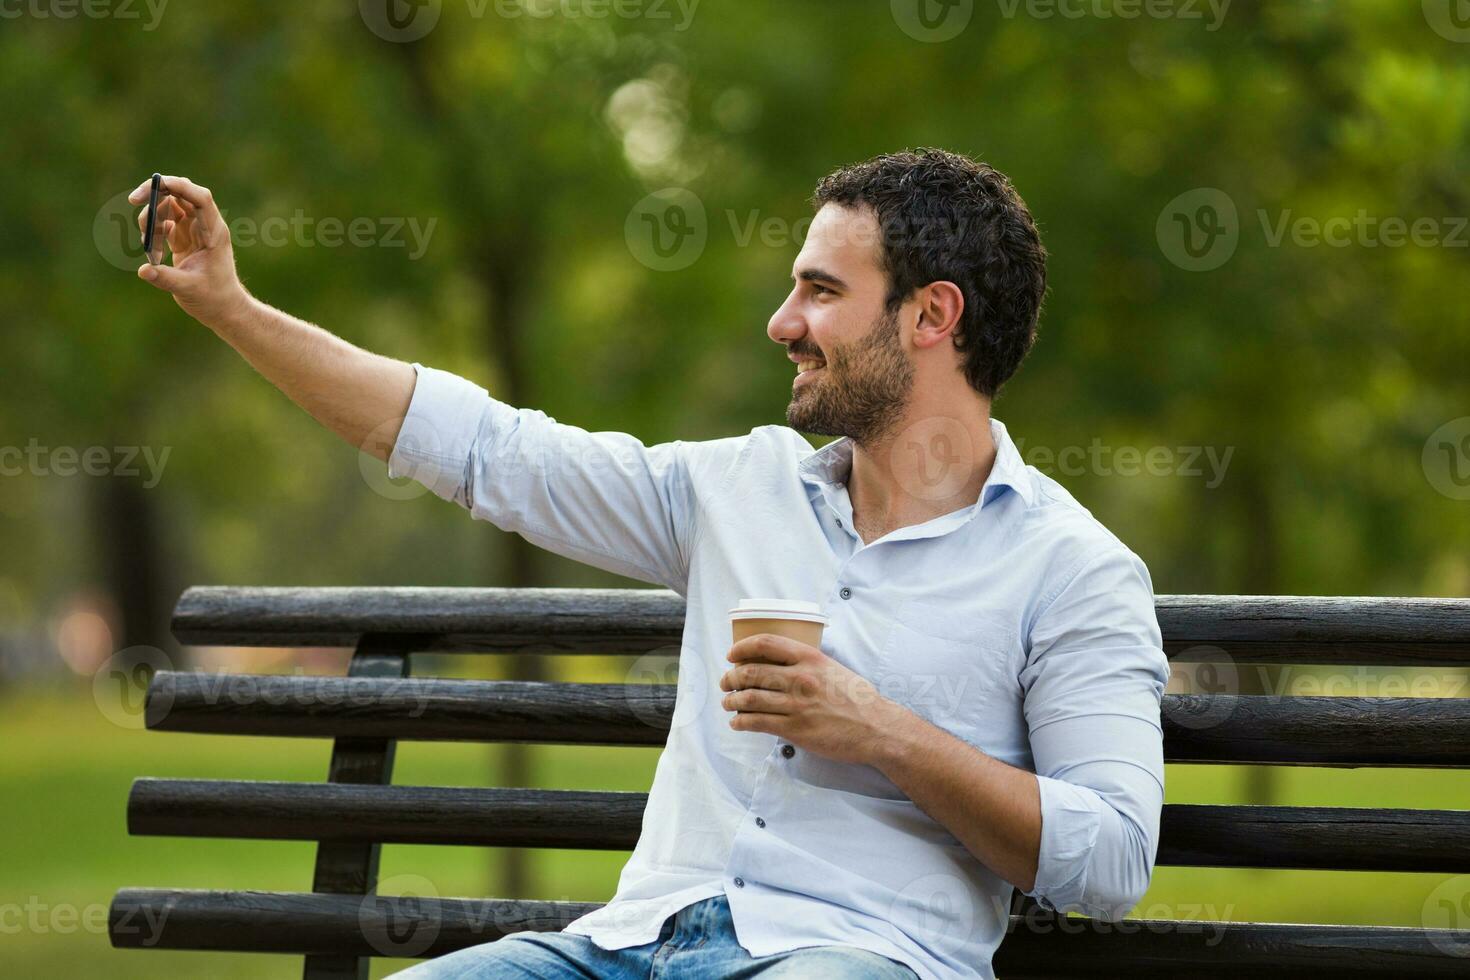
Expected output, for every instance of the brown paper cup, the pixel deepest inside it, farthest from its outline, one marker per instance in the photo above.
(798, 630)
(801, 621)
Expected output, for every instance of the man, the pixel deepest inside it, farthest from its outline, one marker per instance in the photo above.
(983, 713)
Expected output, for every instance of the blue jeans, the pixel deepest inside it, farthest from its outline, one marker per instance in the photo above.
(698, 942)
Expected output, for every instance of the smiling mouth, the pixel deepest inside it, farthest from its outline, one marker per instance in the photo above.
(804, 375)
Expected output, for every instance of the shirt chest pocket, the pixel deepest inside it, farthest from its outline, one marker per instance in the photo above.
(958, 669)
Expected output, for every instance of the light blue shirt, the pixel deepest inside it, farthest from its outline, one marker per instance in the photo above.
(1019, 624)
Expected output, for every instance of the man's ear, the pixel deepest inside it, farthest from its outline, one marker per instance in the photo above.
(940, 306)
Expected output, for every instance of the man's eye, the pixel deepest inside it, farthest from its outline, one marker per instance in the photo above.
(819, 289)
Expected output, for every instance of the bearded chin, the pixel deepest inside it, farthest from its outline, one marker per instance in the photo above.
(810, 411)
(863, 391)
(826, 409)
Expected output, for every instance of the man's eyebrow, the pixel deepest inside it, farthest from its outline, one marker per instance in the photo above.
(818, 275)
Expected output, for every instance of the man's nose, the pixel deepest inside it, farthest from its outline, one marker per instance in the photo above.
(786, 324)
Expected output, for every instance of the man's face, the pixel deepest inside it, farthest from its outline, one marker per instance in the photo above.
(835, 318)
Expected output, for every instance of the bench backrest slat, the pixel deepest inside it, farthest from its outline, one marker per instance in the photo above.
(1146, 949)
(1322, 838)
(1250, 629)
(1202, 728)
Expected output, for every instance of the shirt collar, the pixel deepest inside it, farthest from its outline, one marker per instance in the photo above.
(832, 465)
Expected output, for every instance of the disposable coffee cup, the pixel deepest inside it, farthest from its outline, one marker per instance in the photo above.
(801, 621)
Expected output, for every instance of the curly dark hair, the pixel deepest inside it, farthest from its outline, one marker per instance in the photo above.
(944, 216)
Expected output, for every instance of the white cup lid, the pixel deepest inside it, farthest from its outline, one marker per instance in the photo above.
(810, 612)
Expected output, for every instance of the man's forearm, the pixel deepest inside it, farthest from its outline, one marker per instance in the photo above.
(359, 395)
(992, 808)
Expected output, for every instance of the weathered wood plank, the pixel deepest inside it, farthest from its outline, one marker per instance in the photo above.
(411, 708)
(1316, 731)
(495, 620)
(1245, 729)
(314, 924)
(1039, 946)
(1325, 838)
(1250, 629)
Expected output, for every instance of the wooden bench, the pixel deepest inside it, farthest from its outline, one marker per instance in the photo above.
(340, 923)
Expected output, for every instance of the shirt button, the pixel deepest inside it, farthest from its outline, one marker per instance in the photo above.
(846, 593)
(788, 750)
(759, 822)
(739, 882)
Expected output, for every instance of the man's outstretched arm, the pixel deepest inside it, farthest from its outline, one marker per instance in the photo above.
(601, 498)
(359, 395)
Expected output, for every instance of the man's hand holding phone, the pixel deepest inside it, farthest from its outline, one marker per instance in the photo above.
(202, 278)
(361, 396)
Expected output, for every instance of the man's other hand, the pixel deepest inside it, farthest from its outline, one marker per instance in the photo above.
(795, 691)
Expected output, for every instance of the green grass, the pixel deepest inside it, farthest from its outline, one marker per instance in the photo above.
(66, 771)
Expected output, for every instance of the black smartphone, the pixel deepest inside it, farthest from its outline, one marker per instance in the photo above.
(150, 232)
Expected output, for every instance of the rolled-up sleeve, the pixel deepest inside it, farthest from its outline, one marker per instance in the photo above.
(1094, 680)
(601, 498)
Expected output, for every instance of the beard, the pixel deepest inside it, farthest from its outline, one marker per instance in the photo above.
(864, 390)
